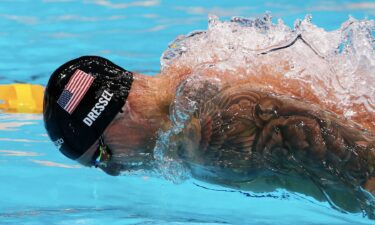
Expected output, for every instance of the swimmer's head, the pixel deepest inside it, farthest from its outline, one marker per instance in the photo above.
(81, 99)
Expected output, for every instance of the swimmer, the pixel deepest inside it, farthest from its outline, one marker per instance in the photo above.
(104, 116)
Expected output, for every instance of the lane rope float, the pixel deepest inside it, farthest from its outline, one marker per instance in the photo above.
(21, 98)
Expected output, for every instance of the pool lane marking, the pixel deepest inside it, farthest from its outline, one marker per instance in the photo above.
(12, 125)
(54, 164)
(18, 153)
(21, 140)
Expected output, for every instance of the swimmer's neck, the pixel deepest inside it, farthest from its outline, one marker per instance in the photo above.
(151, 96)
(146, 112)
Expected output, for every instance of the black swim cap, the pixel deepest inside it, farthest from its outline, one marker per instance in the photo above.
(81, 98)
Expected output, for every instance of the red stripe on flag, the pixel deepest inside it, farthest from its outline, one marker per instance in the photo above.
(82, 89)
(76, 90)
(78, 85)
(80, 98)
(72, 79)
(76, 82)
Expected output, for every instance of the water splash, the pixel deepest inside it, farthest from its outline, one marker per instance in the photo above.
(337, 67)
(332, 69)
(167, 166)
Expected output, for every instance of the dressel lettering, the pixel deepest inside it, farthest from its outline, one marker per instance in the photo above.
(98, 108)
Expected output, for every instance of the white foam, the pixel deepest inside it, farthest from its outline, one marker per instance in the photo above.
(338, 65)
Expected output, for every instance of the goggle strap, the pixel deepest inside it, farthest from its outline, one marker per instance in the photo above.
(101, 146)
(101, 141)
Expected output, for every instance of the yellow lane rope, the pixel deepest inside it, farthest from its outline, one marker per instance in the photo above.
(21, 98)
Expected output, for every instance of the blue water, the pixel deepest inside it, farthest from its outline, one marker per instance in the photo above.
(39, 186)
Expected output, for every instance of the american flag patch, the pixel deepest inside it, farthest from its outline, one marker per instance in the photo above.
(74, 90)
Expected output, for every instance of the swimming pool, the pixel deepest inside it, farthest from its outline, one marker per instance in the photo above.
(40, 186)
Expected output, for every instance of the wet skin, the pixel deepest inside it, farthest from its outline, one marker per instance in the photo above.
(239, 133)
(249, 134)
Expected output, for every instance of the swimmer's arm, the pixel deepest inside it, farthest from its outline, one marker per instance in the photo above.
(245, 132)
(240, 120)
(320, 143)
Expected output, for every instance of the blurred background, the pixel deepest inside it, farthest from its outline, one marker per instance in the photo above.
(37, 36)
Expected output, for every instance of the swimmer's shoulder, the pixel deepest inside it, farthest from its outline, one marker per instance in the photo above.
(195, 90)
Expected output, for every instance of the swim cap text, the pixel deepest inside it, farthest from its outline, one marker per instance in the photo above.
(98, 108)
(59, 142)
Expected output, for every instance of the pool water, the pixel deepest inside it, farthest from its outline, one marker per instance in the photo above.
(40, 186)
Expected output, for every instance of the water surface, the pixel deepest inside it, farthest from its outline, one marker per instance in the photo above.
(40, 186)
